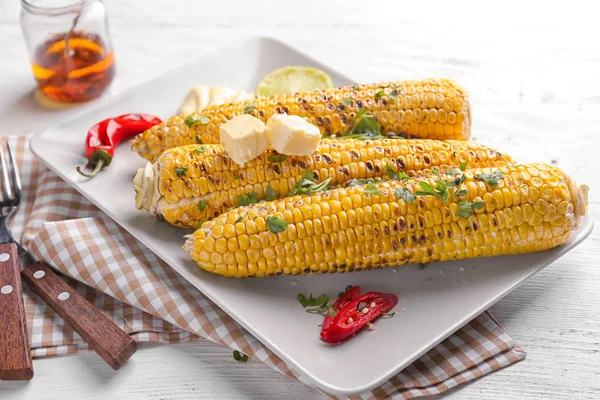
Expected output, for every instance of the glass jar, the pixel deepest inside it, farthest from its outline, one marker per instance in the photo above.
(70, 51)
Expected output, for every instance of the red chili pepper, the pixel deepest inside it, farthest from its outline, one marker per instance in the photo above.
(104, 137)
(351, 294)
(350, 318)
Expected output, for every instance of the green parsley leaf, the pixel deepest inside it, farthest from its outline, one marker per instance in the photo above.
(403, 176)
(364, 126)
(241, 357)
(179, 171)
(312, 301)
(346, 101)
(393, 175)
(360, 182)
(461, 193)
(465, 208)
(355, 86)
(247, 199)
(201, 149)
(426, 189)
(453, 171)
(463, 165)
(331, 312)
(389, 171)
(372, 190)
(270, 194)
(308, 186)
(239, 219)
(492, 179)
(190, 120)
(249, 108)
(276, 224)
(388, 315)
(279, 158)
(202, 205)
(198, 140)
(380, 94)
(199, 225)
(405, 194)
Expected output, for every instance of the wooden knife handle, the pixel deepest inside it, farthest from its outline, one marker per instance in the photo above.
(100, 332)
(15, 353)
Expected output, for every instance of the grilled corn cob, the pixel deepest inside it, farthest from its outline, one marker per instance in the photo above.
(533, 207)
(431, 108)
(210, 183)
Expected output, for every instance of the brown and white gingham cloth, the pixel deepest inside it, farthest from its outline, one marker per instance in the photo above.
(153, 303)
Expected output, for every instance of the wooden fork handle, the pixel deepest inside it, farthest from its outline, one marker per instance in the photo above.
(15, 353)
(101, 333)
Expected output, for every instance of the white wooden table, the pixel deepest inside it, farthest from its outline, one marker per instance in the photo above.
(517, 60)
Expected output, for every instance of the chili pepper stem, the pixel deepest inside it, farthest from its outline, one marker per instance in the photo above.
(99, 165)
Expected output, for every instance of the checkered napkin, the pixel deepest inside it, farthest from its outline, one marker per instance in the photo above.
(153, 303)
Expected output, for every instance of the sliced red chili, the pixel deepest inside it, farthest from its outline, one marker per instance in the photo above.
(104, 137)
(351, 318)
(351, 294)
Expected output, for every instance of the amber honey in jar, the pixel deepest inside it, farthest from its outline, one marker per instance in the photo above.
(71, 55)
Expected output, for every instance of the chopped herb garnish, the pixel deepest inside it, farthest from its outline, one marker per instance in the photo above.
(199, 225)
(307, 186)
(276, 224)
(405, 194)
(270, 194)
(379, 94)
(365, 127)
(279, 158)
(465, 208)
(249, 108)
(239, 219)
(201, 149)
(453, 171)
(388, 315)
(403, 176)
(346, 101)
(318, 305)
(372, 190)
(247, 199)
(360, 182)
(312, 301)
(179, 171)
(428, 190)
(355, 86)
(389, 171)
(202, 205)
(241, 357)
(198, 140)
(463, 165)
(190, 120)
(492, 179)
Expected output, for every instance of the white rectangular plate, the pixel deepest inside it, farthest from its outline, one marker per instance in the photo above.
(434, 302)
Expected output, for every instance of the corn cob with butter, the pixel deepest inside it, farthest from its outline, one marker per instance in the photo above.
(531, 208)
(195, 183)
(430, 108)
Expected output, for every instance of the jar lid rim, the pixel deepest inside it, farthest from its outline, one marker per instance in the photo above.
(41, 9)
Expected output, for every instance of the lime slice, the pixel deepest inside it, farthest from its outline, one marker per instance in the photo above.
(292, 79)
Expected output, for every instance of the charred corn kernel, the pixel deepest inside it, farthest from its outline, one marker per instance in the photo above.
(372, 239)
(331, 110)
(160, 187)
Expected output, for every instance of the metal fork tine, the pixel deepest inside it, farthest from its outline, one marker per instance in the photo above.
(14, 174)
(6, 192)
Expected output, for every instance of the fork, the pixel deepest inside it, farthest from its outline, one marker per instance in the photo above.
(101, 333)
(15, 353)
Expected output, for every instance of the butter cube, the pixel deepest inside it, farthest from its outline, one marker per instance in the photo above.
(244, 138)
(292, 135)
